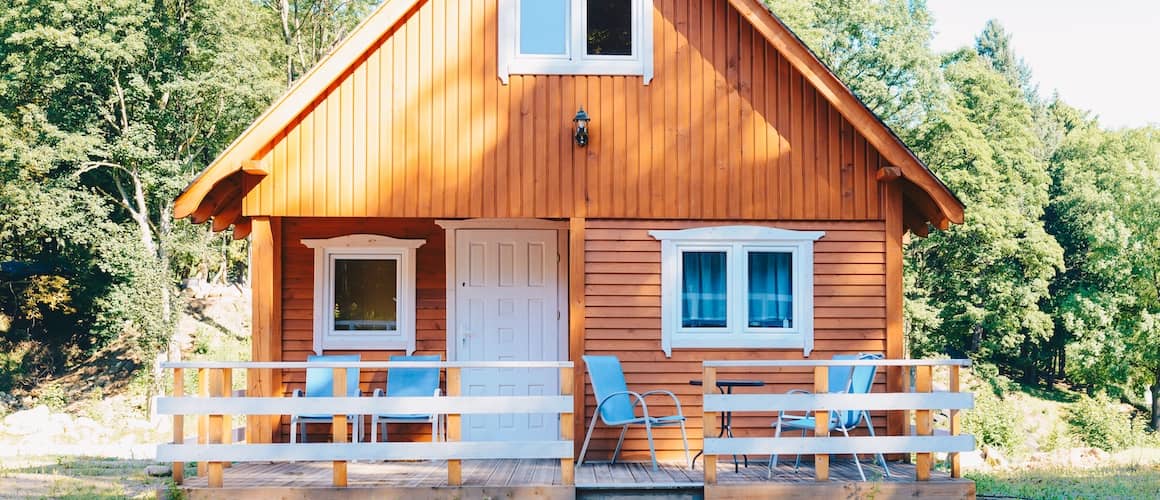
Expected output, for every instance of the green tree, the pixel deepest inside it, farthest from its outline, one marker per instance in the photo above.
(989, 276)
(107, 109)
(311, 28)
(879, 48)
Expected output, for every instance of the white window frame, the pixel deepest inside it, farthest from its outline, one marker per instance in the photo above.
(737, 242)
(575, 60)
(363, 246)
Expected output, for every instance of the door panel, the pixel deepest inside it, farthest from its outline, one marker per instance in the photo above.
(507, 309)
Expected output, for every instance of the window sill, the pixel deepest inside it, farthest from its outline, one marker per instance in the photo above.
(749, 341)
(611, 67)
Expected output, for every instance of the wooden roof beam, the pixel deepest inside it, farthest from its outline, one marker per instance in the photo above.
(223, 220)
(242, 228)
(229, 188)
(913, 220)
(919, 200)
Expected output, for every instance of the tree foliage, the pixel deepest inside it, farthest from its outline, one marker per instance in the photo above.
(1054, 274)
(107, 109)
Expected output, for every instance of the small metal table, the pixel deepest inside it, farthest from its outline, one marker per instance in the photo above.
(726, 387)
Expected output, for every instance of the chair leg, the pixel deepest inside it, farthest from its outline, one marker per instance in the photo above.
(798, 461)
(652, 450)
(374, 428)
(293, 430)
(857, 463)
(773, 456)
(881, 459)
(619, 442)
(587, 438)
(685, 438)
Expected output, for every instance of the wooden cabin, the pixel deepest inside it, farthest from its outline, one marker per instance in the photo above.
(426, 189)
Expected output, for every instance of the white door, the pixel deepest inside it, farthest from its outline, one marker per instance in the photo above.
(507, 309)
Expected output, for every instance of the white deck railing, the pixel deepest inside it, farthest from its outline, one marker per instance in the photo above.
(213, 404)
(920, 440)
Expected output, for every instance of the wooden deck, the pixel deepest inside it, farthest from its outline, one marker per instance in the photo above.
(541, 479)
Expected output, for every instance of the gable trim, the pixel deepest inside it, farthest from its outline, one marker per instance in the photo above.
(295, 101)
(853, 109)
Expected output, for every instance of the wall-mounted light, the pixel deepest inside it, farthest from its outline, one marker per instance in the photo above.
(581, 121)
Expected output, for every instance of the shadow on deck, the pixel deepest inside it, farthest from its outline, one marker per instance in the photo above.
(541, 479)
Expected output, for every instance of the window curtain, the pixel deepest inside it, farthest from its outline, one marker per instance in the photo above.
(703, 290)
(770, 290)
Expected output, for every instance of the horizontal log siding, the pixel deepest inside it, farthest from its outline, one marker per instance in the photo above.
(298, 302)
(422, 127)
(623, 317)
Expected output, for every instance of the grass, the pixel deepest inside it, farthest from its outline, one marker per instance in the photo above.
(76, 477)
(1115, 481)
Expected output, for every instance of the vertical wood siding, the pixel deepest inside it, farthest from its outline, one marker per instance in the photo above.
(623, 317)
(422, 127)
(298, 301)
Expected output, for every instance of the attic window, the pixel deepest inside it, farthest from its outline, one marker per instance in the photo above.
(575, 37)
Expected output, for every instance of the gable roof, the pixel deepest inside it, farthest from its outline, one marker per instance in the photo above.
(217, 191)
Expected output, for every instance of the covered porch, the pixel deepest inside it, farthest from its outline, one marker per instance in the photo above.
(457, 468)
(541, 479)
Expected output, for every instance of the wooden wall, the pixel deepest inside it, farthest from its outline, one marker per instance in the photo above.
(298, 301)
(623, 317)
(423, 127)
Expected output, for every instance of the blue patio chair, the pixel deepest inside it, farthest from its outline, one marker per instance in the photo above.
(616, 406)
(320, 384)
(409, 382)
(843, 379)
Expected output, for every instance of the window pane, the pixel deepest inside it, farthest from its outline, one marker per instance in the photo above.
(543, 26)
(703, 290)
(610, 27)
(365, 294)
(771, 289)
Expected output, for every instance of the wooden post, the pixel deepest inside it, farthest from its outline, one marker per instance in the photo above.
(897, 380)
(576, 332)
(178, 424)
(338, 426)
(454, 429)
(567, 465)
(956, 423)
(202, 420)
(216, 426)
(227, 390)
(266, 324)
(923, 423)
(822, 422)
(709, 424)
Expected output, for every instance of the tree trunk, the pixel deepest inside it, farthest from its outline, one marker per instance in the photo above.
(1156, 403)
(976, 337)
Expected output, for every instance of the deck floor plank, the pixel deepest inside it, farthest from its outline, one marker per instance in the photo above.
(521, 473)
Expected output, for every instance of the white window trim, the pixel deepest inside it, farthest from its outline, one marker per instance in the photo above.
(737, 241)
(366, 246)
(576, 60)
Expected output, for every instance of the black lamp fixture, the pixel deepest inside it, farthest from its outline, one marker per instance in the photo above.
(581, 121)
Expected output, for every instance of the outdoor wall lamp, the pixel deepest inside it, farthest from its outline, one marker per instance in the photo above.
(581, 121)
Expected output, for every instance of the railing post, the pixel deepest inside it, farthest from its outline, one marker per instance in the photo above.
(216, 424)
(567, 467)
(923, 422)
(454, 429)
(227, 390)
(178, 424)
(202, 420)
(709, 423)
(956, 423)
(338, 426)
(821, 422)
